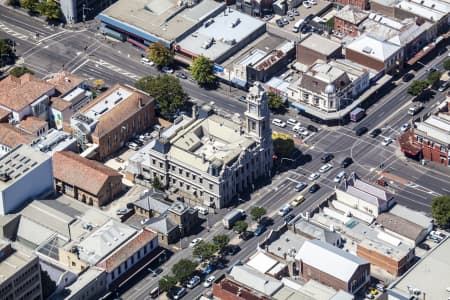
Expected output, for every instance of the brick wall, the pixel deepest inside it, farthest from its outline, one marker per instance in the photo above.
(364, 60)
(394, 267)
(345, 27)
(362, 4)
(308, 272)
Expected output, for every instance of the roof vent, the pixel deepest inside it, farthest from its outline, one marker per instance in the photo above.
(367, 49)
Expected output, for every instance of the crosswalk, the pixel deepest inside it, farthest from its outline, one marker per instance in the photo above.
(9, 31)
(116, 69)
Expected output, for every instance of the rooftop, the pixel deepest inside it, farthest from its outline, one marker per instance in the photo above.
(314, 290)
(236, 288)
(352, 14)
(163, 19)
(430, 275)
(161, 224)
(436, 128)
(373, 47)
(11, 136)
(261, 262)
(64, 82)
(19, 162)
(81, 172)
(13, 263)
(32, 124)
(287, 244)
(17, 93)
(221, 33)
(432, 10)
(251, 278)
(90, 275)
(400, 225)
(313, 231)
(415, 216)
(156, 200)
(54, 140)
(320, 44)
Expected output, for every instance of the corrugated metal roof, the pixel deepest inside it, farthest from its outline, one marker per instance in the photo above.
(255, 280)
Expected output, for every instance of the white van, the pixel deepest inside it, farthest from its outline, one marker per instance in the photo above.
(201, 210)
(298, 25)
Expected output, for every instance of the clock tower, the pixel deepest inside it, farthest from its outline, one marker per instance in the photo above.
(257, 116)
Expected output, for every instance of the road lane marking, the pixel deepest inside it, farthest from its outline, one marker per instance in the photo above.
(79, 66)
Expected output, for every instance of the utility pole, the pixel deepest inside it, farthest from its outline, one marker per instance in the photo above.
(84, 8)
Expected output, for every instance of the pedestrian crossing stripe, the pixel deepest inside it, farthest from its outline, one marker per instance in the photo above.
(116, 69)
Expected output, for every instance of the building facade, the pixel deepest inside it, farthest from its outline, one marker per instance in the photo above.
(361, 4)
(348, 19)
(75, 11)
(211, 159)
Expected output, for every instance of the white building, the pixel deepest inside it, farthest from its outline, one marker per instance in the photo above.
(25, 174)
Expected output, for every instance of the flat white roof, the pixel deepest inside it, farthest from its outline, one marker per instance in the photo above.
(261, 262)
(378, 49)
(422, 11)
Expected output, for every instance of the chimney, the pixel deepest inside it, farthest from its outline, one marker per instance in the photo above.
(141, 104)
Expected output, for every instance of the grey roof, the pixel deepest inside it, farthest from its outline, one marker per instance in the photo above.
(330, 259)
(352, 14)
(317, 232)
(320, 44)
(162, 225)
(414, 216)
(399, 225)
(155, 200)
(255, 280)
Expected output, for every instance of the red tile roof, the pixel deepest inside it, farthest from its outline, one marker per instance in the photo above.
(12, 136)
(64, 81)
(59, 104)
(86, 174)
(126, 250)
(407, 144)
(17, 93)
(32, 124)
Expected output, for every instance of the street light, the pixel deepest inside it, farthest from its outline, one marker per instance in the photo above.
(84, 8)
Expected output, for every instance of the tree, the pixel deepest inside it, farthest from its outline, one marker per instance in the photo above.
(14, 2)
(156, 184)
(160, 54)
(166, 283)
(417, 87)
(257, 212)
(283, 144)
(5, 48)
(205, 250)
(202, 70)
(48, 285)
(48, 8)
(98, 83)
(433, 77)
(29, 4)
(447, 64)
(19, 71)
(167, 91)
(440, 208)
(240, 226)
(275, 101)
(221, 241)
(183, 269)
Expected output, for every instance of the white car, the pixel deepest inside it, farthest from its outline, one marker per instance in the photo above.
(313, 2)
(133, 146)
(195, 242)
(303, 131)
(405, 127)
(208, 282)
(325, 168)
(307, 4)
(339, 176)
(386, 141)
(279, 123)
(147, 61)
(284, 210)
(314, 176)
(292, 122)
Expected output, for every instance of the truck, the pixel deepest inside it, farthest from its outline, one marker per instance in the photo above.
(298, 25)
(357, 114)
(415, 109)
(232, 217)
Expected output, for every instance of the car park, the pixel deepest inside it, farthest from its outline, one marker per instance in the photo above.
(167, 70)
(300, 186)
(292, 122)
(314, 176)
(284, 210)
(246, 235)
(194, 242)
(326, 157)
(209, 281)
(279, 123)
(314, 188)
(288, 218)
(339, 176)
(360, 131)
(386, 141)
(193, 282)
(407, 77)
(297, 201)
(405, 127)
(346, 162)
(325, 168)
(374, 133)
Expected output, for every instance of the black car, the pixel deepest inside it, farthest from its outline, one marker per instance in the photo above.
(242, 99)
(326, 157)
(407, 77)
(246, 235)
(424, 246)
(360, 131)
(346, 162)
(232, 249)
(289, 218)
(138, 142)
(314, 188)
(10, 42)
(376, 132)
(312, 128)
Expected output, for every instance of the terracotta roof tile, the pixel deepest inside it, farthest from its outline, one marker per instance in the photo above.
(17, 93)
(124, 110)
(64, 82)
(84, 173)
(59, 104)
(32, 124)
(12, 136)
(126, 250)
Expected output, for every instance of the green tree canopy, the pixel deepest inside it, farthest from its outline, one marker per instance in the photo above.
(5, 48)
(283, 144)
(417, 87)
(240, 226)
(183, 269)
(275, 101)
(160, 54)
(257, 212)
(167, 91)
(221, 241)
(156, 183)
(447, 64)
(205, 250)
(19, 71)
(29, 4)
(433, 77)
(202, 70)
(166, 283)
(440, 207)
(14, 2)
(49, 9)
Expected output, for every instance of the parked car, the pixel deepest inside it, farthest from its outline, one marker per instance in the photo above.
(314, 176)
(194, 242)
(424, 246)
(360, 130)
(346, 162)
(259, 230)
(147, 61)
(209, 281)
(289, 218)
(443, 86)
(279, 123)
(376, 132)
(407, 77)
(132, 146)
(325, 168)
(292, 122)
(313, 2)
(209, 269)
(297, 201)
(246, 235)
(138, 142)
(232, 249)
(121, 211)
(178, 293)
(193, 282)
(300, 186)
(307, 4)
(167, 70)
(432, 69)
(181, 75)
(314, 188)
(312, 128)
(284, 210)
(339, 176)
(405, 127)
(386, 141)
(326, 157)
